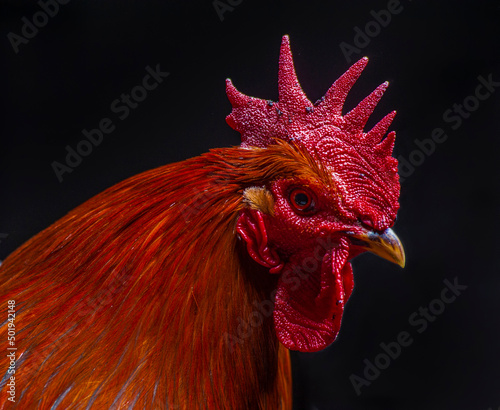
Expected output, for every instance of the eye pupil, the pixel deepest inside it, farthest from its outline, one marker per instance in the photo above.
(301, 199)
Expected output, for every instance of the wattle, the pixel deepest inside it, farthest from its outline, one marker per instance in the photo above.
(310, 302)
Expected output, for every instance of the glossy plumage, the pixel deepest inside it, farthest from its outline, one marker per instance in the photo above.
(132, 297)
(174, 288)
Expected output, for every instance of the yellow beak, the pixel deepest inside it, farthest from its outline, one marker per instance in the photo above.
(386, 245)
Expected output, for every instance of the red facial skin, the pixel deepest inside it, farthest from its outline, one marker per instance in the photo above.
(142, 297)
(311, 251)
(308, 241)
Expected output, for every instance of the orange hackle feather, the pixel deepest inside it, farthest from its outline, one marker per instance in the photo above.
(133, 300)
(146, 297)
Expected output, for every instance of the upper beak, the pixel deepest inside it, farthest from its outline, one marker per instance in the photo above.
(386, 245)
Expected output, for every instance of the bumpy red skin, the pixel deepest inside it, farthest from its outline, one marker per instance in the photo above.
(361, 190)
(137, 298)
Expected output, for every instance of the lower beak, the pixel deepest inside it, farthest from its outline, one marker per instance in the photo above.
(386, 245)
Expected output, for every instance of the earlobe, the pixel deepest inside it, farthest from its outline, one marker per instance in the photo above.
(252, 230)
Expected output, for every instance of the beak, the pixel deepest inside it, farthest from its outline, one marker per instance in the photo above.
(386, 245)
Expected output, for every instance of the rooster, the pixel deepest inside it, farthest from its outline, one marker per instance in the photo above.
(184, 287)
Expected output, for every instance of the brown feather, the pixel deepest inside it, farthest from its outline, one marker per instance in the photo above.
(138, 297)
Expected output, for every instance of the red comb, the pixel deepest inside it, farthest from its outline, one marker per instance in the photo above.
(295, 118)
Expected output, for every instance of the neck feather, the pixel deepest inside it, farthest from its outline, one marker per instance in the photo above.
(149, 294)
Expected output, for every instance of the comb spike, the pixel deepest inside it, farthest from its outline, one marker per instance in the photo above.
(335, 96)
(384, 148)
(236, 98)
(356, 118)
(378, 131)
(289, 90)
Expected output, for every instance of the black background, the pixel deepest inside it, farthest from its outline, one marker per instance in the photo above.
(65, 78)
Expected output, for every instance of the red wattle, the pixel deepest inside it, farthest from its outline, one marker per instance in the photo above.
(309, 305)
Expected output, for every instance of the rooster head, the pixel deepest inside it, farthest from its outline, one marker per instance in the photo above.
(340, 200)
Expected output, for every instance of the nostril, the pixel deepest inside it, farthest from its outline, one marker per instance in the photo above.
(365, 220)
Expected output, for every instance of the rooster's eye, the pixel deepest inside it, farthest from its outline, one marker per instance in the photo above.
(302, 201)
